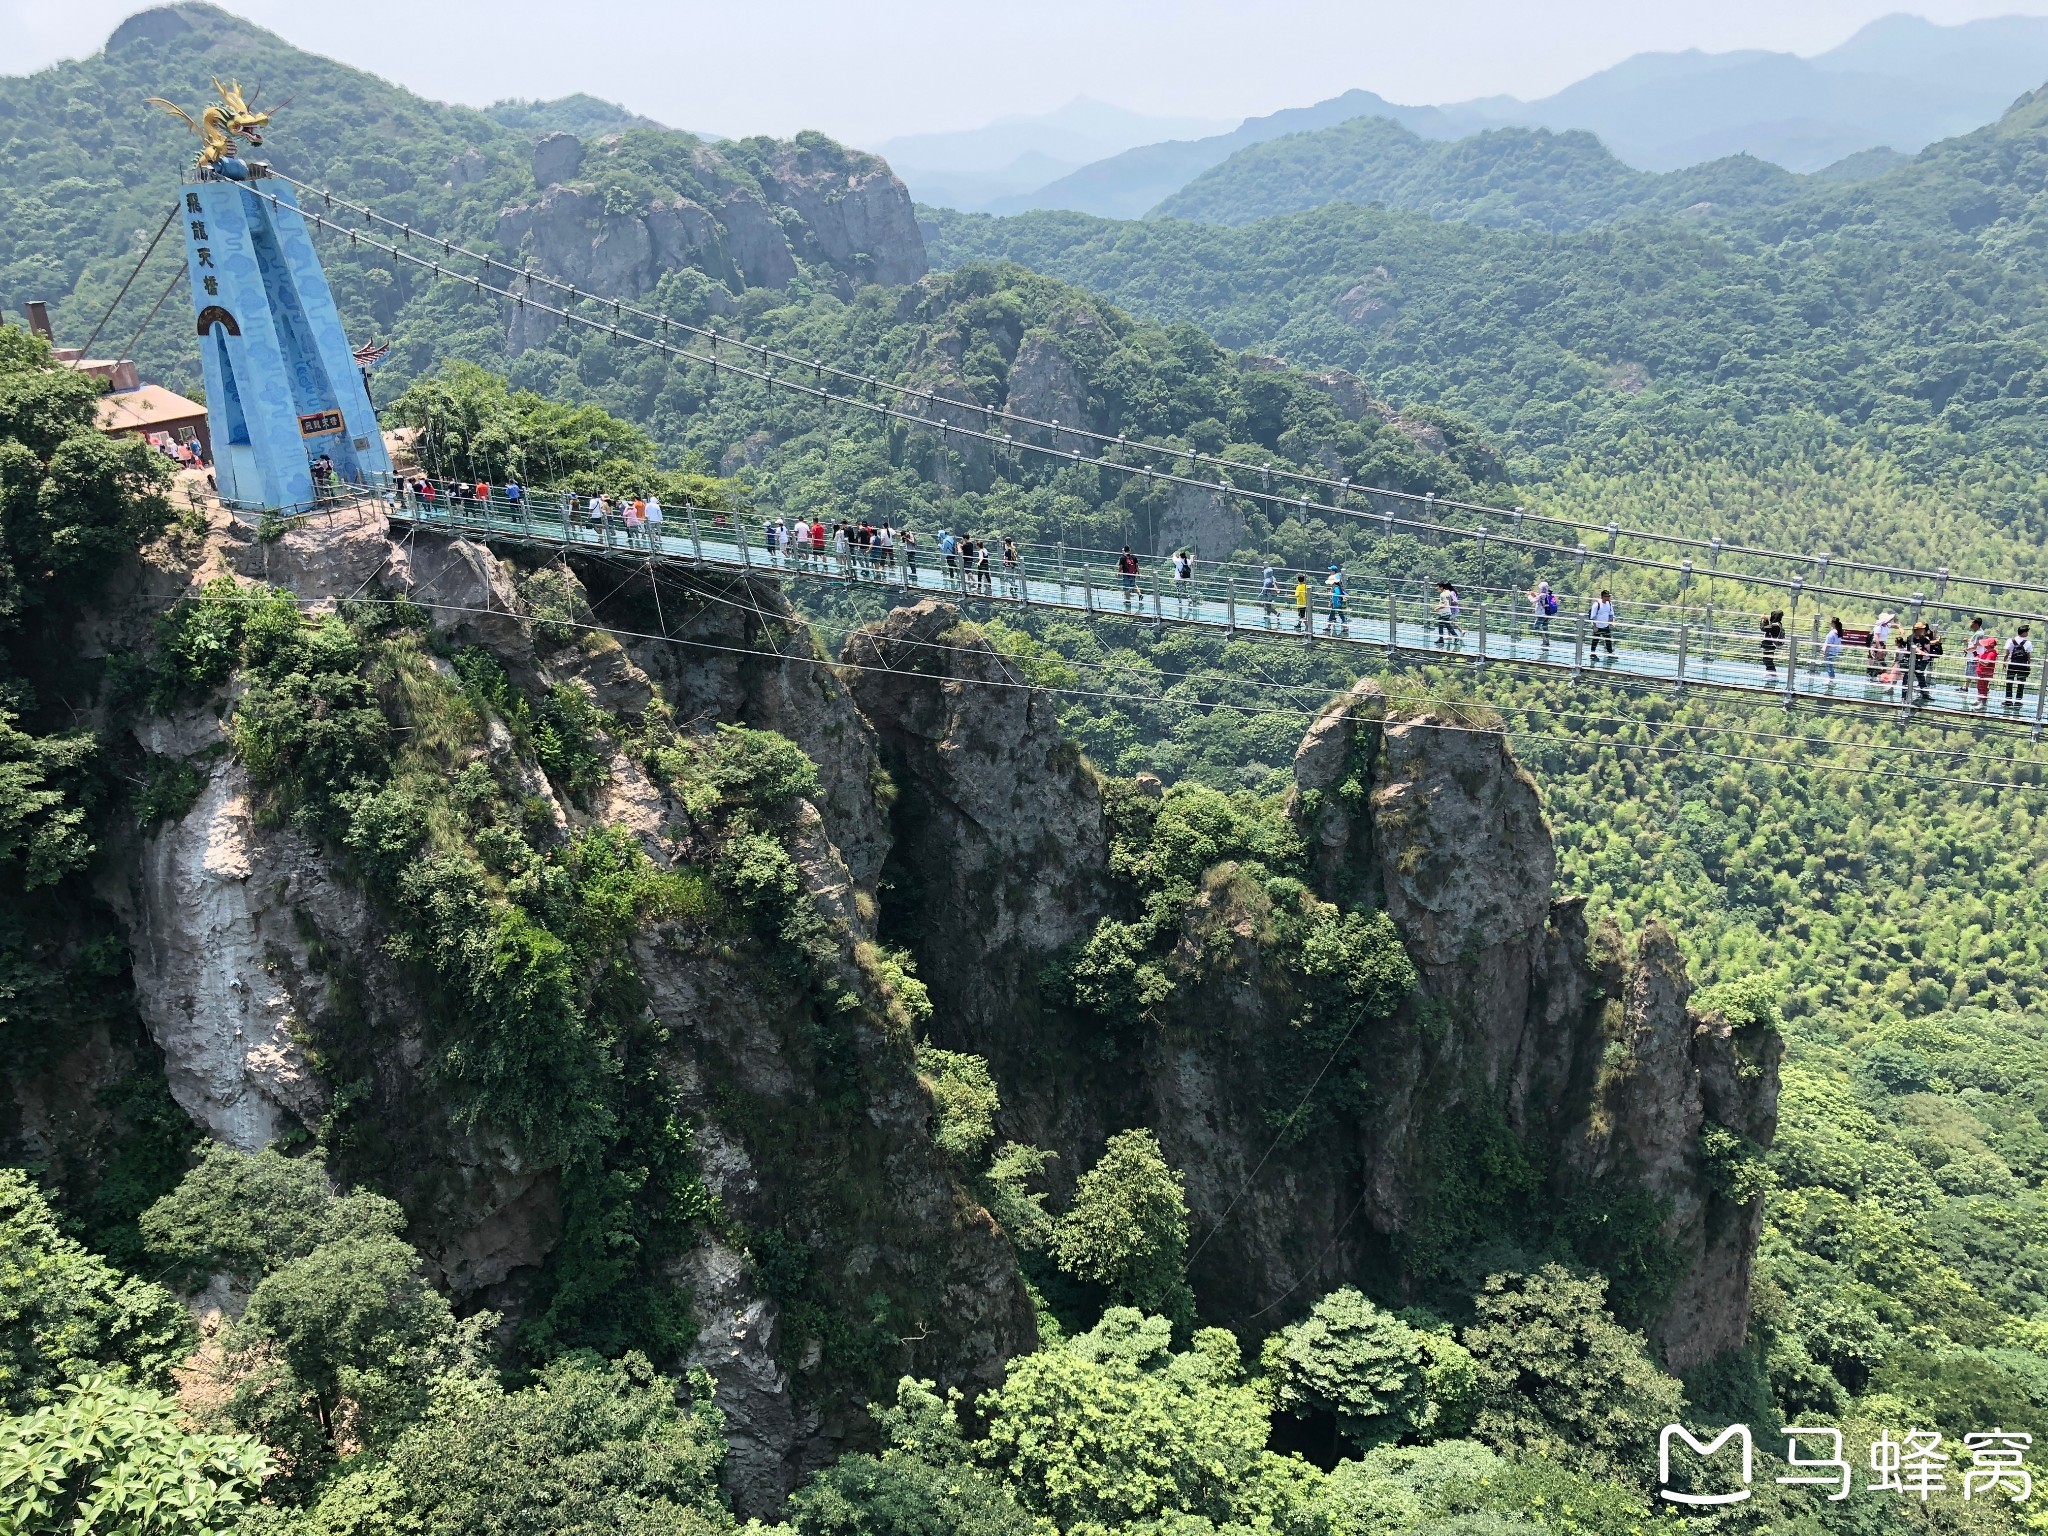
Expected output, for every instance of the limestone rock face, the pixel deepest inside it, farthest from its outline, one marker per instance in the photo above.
(467, 590)
(321, 558)
(743, 227)
(1044, 385)
(222, 974)
(1199, 520)
(1678, 1071)
(1423, 815)
(857, 214)
(556, 158)
(1000, 817)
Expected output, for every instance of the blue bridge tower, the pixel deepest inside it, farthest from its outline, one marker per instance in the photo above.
(283, 392)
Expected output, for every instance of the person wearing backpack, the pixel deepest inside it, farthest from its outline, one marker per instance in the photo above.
(2019, 662)
(1543, 604)
(1602, 614)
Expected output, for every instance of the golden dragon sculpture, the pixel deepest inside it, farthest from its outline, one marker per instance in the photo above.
(220, 124)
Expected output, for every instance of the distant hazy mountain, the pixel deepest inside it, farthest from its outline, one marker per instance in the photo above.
(1014, 154)
(1126, 185)
(1899, 84)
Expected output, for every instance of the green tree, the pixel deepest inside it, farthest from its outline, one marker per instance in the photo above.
(1114, 1427)
(1559, 1377)
(1127, 1229)
(593, 1445)
(114, 1458)
(343, 1339)
(924, 1483)
(66, 1314)
(1365, 1368)
(246, 1214)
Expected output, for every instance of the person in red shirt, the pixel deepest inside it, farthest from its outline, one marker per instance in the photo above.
(1127, 568)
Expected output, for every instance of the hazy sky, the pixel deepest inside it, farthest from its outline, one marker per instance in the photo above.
(867, 71)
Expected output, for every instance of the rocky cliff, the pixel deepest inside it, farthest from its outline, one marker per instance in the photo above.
(617, 215)
(1527, 1042)
(1533, 1068)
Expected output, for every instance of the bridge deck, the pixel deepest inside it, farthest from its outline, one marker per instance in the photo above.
(1679, 647)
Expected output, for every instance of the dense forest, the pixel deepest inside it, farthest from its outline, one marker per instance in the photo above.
(1848, 366)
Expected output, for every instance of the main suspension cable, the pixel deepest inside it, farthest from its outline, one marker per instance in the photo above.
(1795, 585)
(1613, 532)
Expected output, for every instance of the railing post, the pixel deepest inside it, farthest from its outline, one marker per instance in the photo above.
(1393, 621)
(740, 537)
(1023, 583)
(1157, 618)
(1480, 608)
(1707, 646)
(1681, 654)
(1230, 604)
(1088, 589)
(696, 537)
(1578, 644)
(1063, 573)
(1791, 665)
(2040, 698)
(568, 533)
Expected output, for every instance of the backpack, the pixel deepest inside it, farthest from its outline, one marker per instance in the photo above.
(1550, 605)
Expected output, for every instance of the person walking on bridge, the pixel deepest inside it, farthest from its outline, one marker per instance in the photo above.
(1985, 662)
(949, 552)
(1543, 604)
(1013, 576)
(1921, 648)
(1269, 590)
(983, 577)
(1301, 603)
(1183, 579)
(1447, 630)
(1339, 621)
(1831, 650)
(1127, 572)
(651, 514)
(1602, 614)
(2019, 663)
(1773, 626)
(910, 556)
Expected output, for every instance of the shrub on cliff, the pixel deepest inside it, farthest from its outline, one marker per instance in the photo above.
(1127, 1229)
(66, 1314)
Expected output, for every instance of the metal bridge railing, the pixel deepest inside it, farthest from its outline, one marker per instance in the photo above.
(1677, 645)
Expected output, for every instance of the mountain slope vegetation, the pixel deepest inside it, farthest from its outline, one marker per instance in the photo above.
(1858, 364)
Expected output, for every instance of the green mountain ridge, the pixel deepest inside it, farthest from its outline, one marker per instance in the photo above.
(1506, 178)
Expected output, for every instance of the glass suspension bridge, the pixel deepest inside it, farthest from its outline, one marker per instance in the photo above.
(1697, 638)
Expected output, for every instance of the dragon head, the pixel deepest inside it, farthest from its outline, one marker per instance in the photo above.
(236, 116)
(221, 123)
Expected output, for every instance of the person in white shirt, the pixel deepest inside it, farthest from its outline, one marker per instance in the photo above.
(2019, 665)
(1603, 622)
(654, 522)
